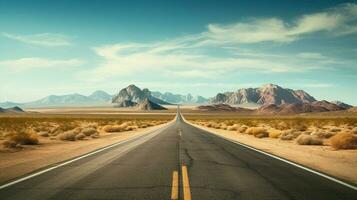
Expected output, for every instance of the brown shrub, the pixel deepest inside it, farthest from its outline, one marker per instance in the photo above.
(68, 135)
(335, 130)
(80, 136)
(354, 130)
(274, 133)
(112, 128)
(95, 135)
(289, 135)
(344, 141)
(242, 129)
(304, 139)
(23, 137)
(256, 130)
(234, 127)
(89, 131)
(43, 134)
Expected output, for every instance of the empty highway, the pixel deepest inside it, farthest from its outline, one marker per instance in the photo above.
(178, 161)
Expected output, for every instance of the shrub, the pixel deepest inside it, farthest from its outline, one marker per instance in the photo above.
(289, 135)
(89, 131)
(344, 141)
(112, 128)
(256, 130)
(335, 130)
(23, 137)
(95, 135)
(274, 133)
(43, 134)
(354, 130)
(242, 129)
(80, 136)
(304, 139)
(68, 135)
(234, 127)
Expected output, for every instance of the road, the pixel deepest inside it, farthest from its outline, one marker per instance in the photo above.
(178, 161)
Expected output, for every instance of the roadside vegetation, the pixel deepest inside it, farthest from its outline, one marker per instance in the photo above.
(16, 131)
(339, 133)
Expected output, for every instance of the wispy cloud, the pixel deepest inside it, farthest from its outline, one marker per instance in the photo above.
(23, 64)
(337, 21)
(42, 39)
(191, 56)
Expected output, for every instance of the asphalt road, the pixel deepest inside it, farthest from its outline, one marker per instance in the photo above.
(143, 169)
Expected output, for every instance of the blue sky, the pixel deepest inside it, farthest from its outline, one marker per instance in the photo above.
(201, 47)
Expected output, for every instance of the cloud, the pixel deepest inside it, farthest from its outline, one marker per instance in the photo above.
(337, 21)
(23, 64)
(218, 50)
(42, 39)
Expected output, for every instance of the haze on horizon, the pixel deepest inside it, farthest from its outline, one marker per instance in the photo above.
(177, 46)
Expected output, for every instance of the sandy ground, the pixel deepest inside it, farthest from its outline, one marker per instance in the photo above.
(341, 164)
(17, 163)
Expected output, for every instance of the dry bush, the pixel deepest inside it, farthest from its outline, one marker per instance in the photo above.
(289, 135)
(255, 130)
(68, 135)
(89, 131)
(234, 127)
(344, 141)
(274, 133)
(335, 129)
(322, 134)
(80, 136)
(304, 139)
(112, 128)
(23, 137)
(43, 133)
(242, 129)
(95, 135)
(223, 126)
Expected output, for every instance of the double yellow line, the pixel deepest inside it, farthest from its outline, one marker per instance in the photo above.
(185, 184)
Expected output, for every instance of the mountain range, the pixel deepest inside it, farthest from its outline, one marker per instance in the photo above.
(179, 98)
(267, 94)
(132, 95)
(97, 98)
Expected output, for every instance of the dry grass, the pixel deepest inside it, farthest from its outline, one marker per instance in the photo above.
(344, 141)
(304, 139)
(275, 133)
(69, 127)
(258, 132)
(25, 137)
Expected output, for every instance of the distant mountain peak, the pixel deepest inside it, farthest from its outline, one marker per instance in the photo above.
(266, 94)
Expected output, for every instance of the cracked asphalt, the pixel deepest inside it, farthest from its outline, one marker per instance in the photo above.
(142, 169)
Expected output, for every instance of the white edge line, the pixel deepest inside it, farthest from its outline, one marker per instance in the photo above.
(80, 157)
(279, 158)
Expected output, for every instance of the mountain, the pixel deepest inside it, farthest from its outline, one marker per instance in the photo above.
(149, 105)
(179, 98)
(134, 94)
(97, 98)
(297, 108)
(11, 110)
(100, 95)
(267, 94)
(221, 107)
(341, 104)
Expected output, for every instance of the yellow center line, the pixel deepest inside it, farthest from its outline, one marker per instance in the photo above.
(175, 188)
(186, 184)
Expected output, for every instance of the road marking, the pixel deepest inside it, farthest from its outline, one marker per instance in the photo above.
(281, 159)
(175, 188)
(85, 155)
(185, 184)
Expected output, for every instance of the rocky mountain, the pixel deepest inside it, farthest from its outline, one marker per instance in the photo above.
(11, 110)
(149, 105)
(222, 107)
(267, 94)
(135, 95)
(179, 98)
(97, 98)
(341, 104)
(297, 108)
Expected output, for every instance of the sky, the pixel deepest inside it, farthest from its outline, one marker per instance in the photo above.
(197, 47)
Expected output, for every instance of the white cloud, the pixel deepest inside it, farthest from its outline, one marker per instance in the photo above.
(337, 21)
(22, 64)
(191, 56)
(42, 39)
